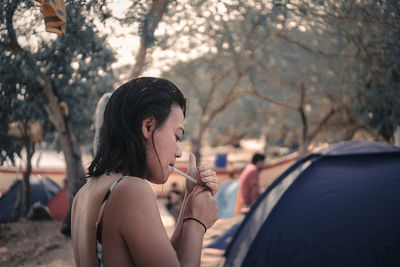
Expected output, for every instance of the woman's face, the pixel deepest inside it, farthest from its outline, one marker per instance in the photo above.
(167, 143)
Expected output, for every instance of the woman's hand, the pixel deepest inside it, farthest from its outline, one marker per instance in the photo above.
(204, 176)
(201, 205)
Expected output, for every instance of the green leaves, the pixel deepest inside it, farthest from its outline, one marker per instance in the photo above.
(55, 58)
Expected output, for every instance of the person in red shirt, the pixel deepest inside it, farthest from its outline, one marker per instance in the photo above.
(249, 180)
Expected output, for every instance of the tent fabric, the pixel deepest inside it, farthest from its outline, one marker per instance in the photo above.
(221, 242)
(42, 189)
(358, 147)
(226, 198)
(339, 207)
(58, 205)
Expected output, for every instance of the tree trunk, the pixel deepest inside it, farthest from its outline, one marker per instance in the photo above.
(305, 142)
(397, 136)
(30, 150)
(140, 59)
(304, 148)
(150, 24)
(19, 209)
(69, 145)
(197, 140)
(23, 202)
(73, 159)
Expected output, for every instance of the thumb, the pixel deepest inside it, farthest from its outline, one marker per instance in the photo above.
(192, 161)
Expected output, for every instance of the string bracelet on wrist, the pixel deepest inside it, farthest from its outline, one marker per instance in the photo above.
(194, 219)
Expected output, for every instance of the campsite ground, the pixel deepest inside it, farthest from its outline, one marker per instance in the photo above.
(28, 243)
(40, 243)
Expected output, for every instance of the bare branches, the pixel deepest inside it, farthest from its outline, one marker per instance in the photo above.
(306, 47)
(228, 98)
(269, 100)
(150, 24)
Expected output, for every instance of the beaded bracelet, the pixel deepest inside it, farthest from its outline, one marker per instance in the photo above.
(191, 218)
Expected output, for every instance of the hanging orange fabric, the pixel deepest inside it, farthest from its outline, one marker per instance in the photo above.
(239, 204)
(54, 15)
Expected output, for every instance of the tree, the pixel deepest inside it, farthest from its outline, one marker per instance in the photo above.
(211, 92)
(147, 28)
(243, 46)
(25, 131)
(71, 70)
(379, 80)
(301, 56)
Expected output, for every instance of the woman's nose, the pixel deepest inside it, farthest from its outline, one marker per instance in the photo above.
(178, 152)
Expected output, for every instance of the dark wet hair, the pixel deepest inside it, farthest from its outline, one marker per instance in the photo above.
(122, 146)
(257, 157)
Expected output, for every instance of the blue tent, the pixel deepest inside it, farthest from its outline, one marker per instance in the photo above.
(338, 207)
(222, 241)
(42, 189)
(226, 198)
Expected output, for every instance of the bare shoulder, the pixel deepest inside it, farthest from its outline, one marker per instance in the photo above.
(133, 196)
(136, 218)
(76, 199)
(76, 202)
(134, 190)
(80, 198)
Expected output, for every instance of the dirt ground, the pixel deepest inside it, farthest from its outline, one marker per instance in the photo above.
(34, 243)
(40, 243)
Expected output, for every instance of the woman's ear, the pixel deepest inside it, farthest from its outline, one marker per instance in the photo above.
(148, 126)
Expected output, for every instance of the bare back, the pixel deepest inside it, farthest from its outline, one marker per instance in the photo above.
(132, 231)
(85, 210)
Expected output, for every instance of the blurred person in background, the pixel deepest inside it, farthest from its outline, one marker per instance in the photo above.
(174, 201)
(249, 181)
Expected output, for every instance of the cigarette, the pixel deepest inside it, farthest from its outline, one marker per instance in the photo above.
(190, 178)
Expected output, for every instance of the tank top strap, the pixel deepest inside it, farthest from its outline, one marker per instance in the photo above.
(99, 221)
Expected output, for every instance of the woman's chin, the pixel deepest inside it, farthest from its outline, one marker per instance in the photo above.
(158, 180)
(165, 179)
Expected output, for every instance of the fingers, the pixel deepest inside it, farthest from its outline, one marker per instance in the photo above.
(209, 178)
(207, 172)
(192, 171)
(204, 168)
(213, 187)
(192, 161)
(207, 175)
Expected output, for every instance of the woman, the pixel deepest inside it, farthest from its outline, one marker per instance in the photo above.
(115, 217)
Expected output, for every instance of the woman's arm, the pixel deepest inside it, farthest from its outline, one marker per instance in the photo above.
(140, 226)
(176, 236)
(199, 213)
(205, 176)
(192, 237)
